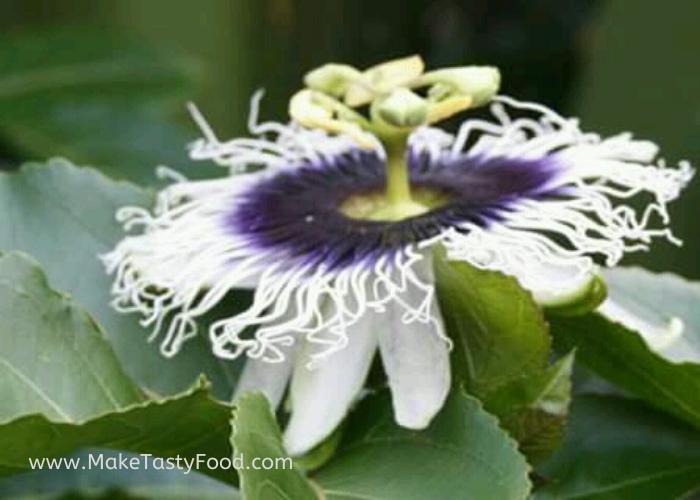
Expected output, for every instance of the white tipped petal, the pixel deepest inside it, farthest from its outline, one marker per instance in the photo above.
(657, 303)
(662, 334)
(270, 375)
(266, 377)
(681, 349)
(416, 360)
(322, 394)
(557, 284)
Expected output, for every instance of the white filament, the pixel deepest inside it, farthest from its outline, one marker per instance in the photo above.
(591, 219)
(183, 258)
(274, 145)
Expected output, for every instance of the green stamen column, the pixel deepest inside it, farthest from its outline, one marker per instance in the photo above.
(398, 187)
(398, 203)
(401, 97)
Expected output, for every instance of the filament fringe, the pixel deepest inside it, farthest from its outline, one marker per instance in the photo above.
(273, 145)
(171, 284)
(591, 217)
(185, 257)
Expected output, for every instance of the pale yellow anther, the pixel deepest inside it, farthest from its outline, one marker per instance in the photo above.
(389, 75)
(402, 108)
(444, 109)
(358, 94)
(383, 78)
(306, 110)
(315, 110)
(333, 79)
(481, 83)
(401, 98)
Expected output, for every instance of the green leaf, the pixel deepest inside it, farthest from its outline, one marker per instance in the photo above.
(463, 454)
(65, 217)
(186, 425)
(498, 330)
(53, 358)
(255, 436)
(621, 356)
(501, 353)
(97, 98)
(535, 410)
(617, 449)
(64, 389)
(127, 484)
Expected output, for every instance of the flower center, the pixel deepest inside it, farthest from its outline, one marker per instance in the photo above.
(337, 211)
(376, 206)
(398, 202)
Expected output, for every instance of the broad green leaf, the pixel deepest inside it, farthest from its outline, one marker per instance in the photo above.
(617, 353)
(97, 98)
(499, 332)
(185, 425)
(53, 358)
(621, 356)
(534, 410)
(127, 484)
(501, 352)
(65, 217)
(661, 296)
(463, 454)
(617, 449)
(256, 438)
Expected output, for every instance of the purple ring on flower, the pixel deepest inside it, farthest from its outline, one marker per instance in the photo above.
(297, 212)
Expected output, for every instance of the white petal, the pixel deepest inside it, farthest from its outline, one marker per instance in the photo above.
(271, 375)
(663, 334)
(556, 284)
(681, 350)
(266, 377)
(321, 395)
(663, 301)
(416, 359)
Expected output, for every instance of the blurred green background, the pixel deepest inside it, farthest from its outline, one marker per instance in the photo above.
(624, 65)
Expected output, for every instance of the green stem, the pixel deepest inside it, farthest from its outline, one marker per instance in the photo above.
(398, 187)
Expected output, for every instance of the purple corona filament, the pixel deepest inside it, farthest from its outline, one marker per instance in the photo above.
(297, 212)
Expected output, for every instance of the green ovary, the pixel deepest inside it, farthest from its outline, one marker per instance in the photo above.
(378, 207)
